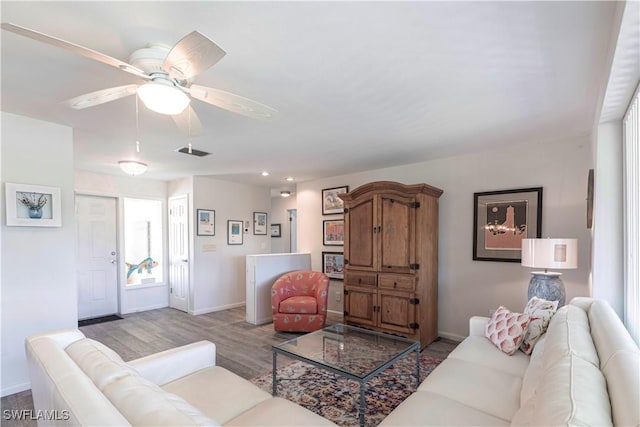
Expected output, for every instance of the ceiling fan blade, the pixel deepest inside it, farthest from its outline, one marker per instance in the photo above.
(231, 102)
(192, 55)
(80, 50)
(101, 96)
(188, 125)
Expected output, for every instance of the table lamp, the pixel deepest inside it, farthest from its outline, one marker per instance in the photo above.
(549, 254)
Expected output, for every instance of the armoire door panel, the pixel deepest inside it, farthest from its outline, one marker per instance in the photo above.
(360, 236)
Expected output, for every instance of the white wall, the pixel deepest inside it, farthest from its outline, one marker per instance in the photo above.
(39, 291)
(468, 287)
(219, 280)
(279, 207)
(132, 298)
(608, 254)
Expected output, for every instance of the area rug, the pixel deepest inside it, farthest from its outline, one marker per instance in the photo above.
(336, 398)
(96, 320)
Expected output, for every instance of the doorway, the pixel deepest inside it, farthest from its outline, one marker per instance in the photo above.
(179, 253)
(97, 256)
(292, 214)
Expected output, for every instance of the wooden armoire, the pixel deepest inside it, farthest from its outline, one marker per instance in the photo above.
(391, 259)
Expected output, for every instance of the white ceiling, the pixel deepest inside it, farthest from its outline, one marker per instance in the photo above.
(358, 85)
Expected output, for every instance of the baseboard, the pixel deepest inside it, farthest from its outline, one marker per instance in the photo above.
(15, 389)
(450, 336)
(218, 308)
(147, 308)
(335, 312)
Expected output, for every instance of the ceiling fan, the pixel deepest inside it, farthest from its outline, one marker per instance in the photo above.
(167, 74)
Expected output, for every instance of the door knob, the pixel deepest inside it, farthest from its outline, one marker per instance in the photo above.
(113, 261)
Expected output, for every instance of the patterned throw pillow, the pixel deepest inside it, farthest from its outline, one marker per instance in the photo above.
(506, 329)
(540, 311)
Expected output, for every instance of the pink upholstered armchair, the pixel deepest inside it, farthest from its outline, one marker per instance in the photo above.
(299, 301)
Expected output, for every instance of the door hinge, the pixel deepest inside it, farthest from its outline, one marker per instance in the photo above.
(414, 326)
(346, 313)
(414, 301)
(171, 290)
(414, 266)
(346, 261)
(346, 210)
(414, 205)
(346, 292)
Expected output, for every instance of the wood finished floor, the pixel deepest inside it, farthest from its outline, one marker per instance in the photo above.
(241, 347)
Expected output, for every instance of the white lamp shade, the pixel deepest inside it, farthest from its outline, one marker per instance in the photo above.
(163, 98)
(133, 168)
(550, 253)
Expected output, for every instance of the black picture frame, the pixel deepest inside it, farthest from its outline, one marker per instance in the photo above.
(333, 232)
(260, 223)
(331, 203)
(206, 222)
(501, 219)
(333, 265)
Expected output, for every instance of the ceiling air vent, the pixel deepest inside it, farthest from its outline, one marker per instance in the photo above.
(193, 152)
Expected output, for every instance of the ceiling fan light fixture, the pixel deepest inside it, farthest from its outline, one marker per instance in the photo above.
(132, 167)
(163, 97)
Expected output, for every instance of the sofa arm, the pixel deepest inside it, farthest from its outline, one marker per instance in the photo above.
(166, 366)
(477, 325)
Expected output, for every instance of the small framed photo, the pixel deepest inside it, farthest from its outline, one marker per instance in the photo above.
(333, 264)
(33, 205)
(331, 203)
(333, 232)
(260, 223)
(206, 222)
(276, 230)
(234, 232)
(501, 219)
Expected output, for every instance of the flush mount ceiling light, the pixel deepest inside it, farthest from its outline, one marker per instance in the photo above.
(265, 173)
(132, 167)
(290, 178)
(163, 97)
(285, 193)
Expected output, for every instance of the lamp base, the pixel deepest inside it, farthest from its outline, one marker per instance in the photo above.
(548, 286)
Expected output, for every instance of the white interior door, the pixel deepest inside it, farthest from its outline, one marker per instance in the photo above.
(179, 253)
(293, 230)
(97, 256)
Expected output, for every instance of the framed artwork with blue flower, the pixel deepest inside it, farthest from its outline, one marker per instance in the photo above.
(33, 205)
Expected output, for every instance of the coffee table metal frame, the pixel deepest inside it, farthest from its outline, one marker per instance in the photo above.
(338, 332)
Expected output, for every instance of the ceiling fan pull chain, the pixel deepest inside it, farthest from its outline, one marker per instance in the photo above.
(137, 127)
(189, 117)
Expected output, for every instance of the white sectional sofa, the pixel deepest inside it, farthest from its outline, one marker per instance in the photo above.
(584, 371)
(79, 381)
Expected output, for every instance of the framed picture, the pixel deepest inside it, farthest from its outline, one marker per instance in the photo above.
(276, 230)
(234, 232)
(33, 205)
(260, 223)
(333, 232)
(331, 203)
(206, 222)
(333, 264)
(501, 219)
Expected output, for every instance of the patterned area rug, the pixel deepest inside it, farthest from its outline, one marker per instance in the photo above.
(336, 398)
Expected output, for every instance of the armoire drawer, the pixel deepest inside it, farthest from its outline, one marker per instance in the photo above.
(401, 282)
(360, 279)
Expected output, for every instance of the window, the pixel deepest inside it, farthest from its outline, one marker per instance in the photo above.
(631, 196)
(143, 241)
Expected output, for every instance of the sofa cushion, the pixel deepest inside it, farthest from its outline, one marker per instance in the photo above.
(299, 305)
(540, 312)
(478, 349)
(218, 393)
(506, 329)
(101, 364)
(571, 392)
(488, 390)
(143, 403)
(533, 373)
(423, 408)
(569, 333)
(278, 412)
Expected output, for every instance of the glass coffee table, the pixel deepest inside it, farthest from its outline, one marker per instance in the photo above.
(355, 353)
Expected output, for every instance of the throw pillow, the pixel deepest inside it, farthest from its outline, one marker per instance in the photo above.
(506, 329)
(540, 312)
